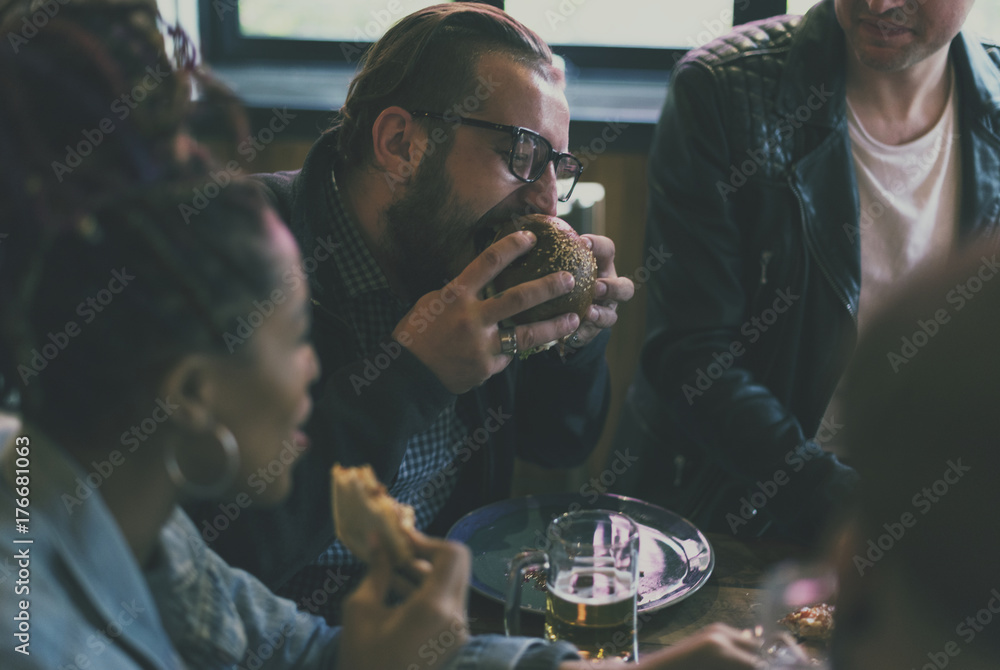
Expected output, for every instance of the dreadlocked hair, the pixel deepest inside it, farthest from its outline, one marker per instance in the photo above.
(110, 305)
(103, 282)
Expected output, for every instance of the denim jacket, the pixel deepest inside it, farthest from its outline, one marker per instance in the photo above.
(72, 595)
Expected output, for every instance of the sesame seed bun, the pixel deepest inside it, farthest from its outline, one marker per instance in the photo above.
(559, 248)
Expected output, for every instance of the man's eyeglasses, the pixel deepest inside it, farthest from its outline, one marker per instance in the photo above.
(530, 153)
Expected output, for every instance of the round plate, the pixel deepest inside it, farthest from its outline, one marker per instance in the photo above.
(675, 558)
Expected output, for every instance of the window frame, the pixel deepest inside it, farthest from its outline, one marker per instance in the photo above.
(223, 43)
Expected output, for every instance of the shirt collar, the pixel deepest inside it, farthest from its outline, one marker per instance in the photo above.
(360, 273)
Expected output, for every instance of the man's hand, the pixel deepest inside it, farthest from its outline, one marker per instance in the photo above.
(454, 331)
(715, 647)
(381, 637)
(610, 290)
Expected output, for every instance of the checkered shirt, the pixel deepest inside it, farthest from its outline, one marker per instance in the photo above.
(374, 310)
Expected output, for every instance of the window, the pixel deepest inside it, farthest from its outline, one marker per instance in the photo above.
(559, 22)
(579, 29)
(339, 21)
(307, 30)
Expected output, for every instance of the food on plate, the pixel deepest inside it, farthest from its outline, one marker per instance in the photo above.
(811, 623)
(361, 505)
(538, 578)
(559, 247)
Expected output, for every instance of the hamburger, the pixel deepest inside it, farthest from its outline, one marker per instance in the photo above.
(361, 505)
(559, 248)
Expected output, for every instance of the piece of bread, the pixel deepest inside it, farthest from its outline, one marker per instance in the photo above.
(811, 623)
(361, 505)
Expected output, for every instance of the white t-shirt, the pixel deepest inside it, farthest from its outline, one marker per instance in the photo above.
(910, 200)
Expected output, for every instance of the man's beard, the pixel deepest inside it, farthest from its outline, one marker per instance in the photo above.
(427, 233)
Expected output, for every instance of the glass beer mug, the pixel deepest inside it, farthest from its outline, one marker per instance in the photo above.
(590, 569)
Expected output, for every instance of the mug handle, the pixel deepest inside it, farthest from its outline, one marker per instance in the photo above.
(536, 560)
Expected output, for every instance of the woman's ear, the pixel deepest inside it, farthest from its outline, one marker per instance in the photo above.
(395, 140)
(191, 389)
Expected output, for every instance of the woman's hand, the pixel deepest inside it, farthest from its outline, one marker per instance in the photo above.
(423, 630)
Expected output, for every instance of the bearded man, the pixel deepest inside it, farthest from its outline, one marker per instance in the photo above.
(456, 123)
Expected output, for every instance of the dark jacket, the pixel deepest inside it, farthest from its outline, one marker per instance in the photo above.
(752, 189)
(545, 411)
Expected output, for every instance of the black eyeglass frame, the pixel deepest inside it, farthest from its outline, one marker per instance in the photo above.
(554, 156)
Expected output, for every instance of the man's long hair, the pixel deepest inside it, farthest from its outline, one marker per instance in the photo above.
(429, 61)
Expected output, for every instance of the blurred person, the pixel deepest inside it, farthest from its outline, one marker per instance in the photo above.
(918, 574)
(456, 122)
(801, 168)
(140, 405)
(115, 575)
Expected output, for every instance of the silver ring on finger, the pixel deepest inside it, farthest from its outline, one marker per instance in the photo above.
(508, 341)
(574, 340)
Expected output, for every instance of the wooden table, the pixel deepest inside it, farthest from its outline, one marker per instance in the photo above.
(732, 595)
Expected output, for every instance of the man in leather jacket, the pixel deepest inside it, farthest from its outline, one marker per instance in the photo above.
(765, 179)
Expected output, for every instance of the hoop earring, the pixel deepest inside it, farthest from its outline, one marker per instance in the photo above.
(232, 451)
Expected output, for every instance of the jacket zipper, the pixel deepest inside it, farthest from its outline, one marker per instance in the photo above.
(765, 258)
(826, 273)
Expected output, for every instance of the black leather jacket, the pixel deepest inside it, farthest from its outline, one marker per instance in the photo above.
(752, 320)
